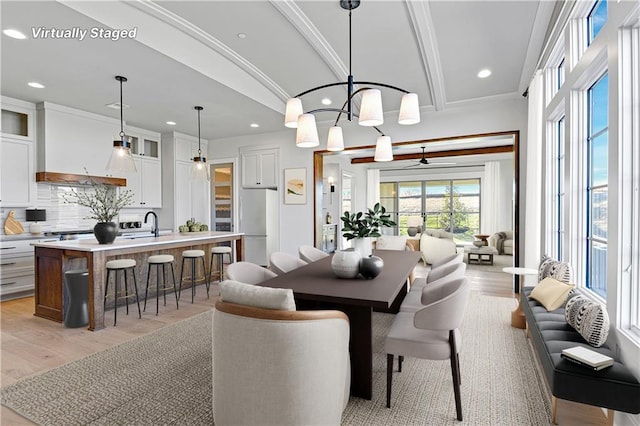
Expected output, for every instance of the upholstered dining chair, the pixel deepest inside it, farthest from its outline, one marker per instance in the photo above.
(415, 298)
(311, 254)
(275, 365)
(451, 259)
(281, 262)
(431, 332)
(248, 273)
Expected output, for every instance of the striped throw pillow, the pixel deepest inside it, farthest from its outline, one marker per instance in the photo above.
(588, 318)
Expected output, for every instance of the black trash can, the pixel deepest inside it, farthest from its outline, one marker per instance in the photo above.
(77, 301)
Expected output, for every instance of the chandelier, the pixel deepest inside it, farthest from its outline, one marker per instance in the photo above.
(370, 114)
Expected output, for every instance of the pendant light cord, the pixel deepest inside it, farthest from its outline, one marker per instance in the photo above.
(121, 114)
(199, 152)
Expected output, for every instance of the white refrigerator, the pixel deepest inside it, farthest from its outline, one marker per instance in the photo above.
(259, 220)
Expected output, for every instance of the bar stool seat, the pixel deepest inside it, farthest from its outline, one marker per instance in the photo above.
(190, 256)
(121, 265)
(158, 260)
(219, 252)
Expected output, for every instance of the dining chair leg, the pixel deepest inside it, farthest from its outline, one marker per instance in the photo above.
(400, 360)
(455, 375)
(459, 372)
(389, 378)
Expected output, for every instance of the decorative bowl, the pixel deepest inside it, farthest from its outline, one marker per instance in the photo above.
(478, 243)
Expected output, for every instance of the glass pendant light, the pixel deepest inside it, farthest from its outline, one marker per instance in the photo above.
(121, 160)
(199, 169)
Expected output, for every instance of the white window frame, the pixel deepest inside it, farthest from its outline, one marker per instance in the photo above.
(552, 176)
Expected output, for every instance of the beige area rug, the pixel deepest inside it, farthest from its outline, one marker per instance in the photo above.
(165, 378)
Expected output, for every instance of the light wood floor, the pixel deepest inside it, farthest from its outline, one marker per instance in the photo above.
(31, 345)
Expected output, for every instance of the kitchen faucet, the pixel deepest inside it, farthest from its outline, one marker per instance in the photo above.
(156, 231)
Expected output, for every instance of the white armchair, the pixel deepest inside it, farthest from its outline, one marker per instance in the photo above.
(436, 244)
(502, 241)
(276, 366)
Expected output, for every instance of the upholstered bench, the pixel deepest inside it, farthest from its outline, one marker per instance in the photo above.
(614, 388)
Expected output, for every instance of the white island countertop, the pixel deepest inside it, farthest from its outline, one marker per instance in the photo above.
(91, 245)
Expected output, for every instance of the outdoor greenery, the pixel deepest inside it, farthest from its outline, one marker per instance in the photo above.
(368, 224)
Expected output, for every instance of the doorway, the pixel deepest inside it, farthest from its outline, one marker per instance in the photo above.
(222, 197)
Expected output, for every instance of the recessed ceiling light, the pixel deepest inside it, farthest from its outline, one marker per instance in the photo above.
(242, 35)
(254, 125)
(35, 85)
(326, 101)
(14, 34)
(116, 105)
(484, 73)
(171, 123)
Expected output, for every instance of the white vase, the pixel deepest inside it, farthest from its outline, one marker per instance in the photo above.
(346, 263)
(363, 246)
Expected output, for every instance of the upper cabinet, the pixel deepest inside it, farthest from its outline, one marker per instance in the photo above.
(17, 154)
(146, 183)
(144, 143)
(259, 168)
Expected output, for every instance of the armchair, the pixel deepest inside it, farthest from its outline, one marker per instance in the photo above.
(502, 241)
(278, 366)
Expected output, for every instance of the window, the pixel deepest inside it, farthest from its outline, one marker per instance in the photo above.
(597, 151)
(560, 74)
(596, 19)
(559, 186)
(409, 203)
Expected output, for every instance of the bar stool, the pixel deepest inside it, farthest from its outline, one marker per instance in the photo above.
(191, 256)
(157, 261)
(219, 252)
(121, 265)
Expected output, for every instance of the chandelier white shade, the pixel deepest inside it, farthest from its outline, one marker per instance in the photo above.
(293, 111)
(307, 134)
(371, 113)
(199, 168)
(409, 109)
(383, 149)
(335, 141)
(121, 160)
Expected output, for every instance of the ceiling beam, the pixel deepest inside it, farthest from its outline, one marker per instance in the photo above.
(437, 154)
(424, 31)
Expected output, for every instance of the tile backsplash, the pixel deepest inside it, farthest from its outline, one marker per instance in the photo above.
(62, 215)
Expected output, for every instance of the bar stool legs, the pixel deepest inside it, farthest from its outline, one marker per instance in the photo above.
(191, 256)
(219, 252)
(121, 265)
(160, 260)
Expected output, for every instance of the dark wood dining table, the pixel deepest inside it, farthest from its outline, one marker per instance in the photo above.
(315, 286)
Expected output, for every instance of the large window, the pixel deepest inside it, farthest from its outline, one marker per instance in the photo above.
(559, 186)
(597, 185)
(596, 19)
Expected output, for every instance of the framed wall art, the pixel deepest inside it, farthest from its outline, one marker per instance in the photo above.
(295, 186)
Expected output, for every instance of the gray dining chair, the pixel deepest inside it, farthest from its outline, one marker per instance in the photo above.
(311, 254)
(431, 333)
(249, 273)
(456, 268)
(281, 262)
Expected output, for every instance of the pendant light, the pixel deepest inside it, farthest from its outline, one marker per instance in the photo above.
(199, 169)
(121, 160)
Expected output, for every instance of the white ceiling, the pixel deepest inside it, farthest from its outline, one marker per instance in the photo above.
(188, 53)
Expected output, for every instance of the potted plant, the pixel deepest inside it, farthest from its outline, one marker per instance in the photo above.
(361, 226)
(105, 203)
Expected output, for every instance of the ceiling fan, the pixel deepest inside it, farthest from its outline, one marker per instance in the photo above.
(424, 161)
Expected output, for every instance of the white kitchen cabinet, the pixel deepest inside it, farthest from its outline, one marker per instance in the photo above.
(17, 176)
(146, 183)
(182, 198)
(17, 273)
(144, 143)
(260, 168)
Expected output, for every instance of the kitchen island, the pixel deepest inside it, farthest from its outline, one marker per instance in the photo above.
(53, 259)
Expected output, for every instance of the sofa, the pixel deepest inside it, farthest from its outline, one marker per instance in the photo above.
(436, 244)
(614, 388)
(502, 241)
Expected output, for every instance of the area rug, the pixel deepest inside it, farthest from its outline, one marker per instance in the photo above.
(165, 378)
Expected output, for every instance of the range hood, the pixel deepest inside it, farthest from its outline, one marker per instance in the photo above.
(69, 178)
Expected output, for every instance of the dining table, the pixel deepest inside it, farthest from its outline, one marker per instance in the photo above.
(315, 286)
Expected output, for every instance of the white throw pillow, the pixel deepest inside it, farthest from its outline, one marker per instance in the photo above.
(551, 293)
(396, 242)
(257, 296)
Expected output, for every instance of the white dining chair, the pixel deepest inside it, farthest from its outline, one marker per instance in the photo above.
(311, 254)
(281, 262)
(248, 273)
(431, 333)
(416, 299)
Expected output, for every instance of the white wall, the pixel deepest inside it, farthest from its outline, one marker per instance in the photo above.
(297, 221)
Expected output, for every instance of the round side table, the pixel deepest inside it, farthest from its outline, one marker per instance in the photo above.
(517, 317)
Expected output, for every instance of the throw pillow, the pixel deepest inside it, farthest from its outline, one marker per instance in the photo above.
(257, 296)
(551, 293)
(396, 242)
(588, 318)
(549, 267)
